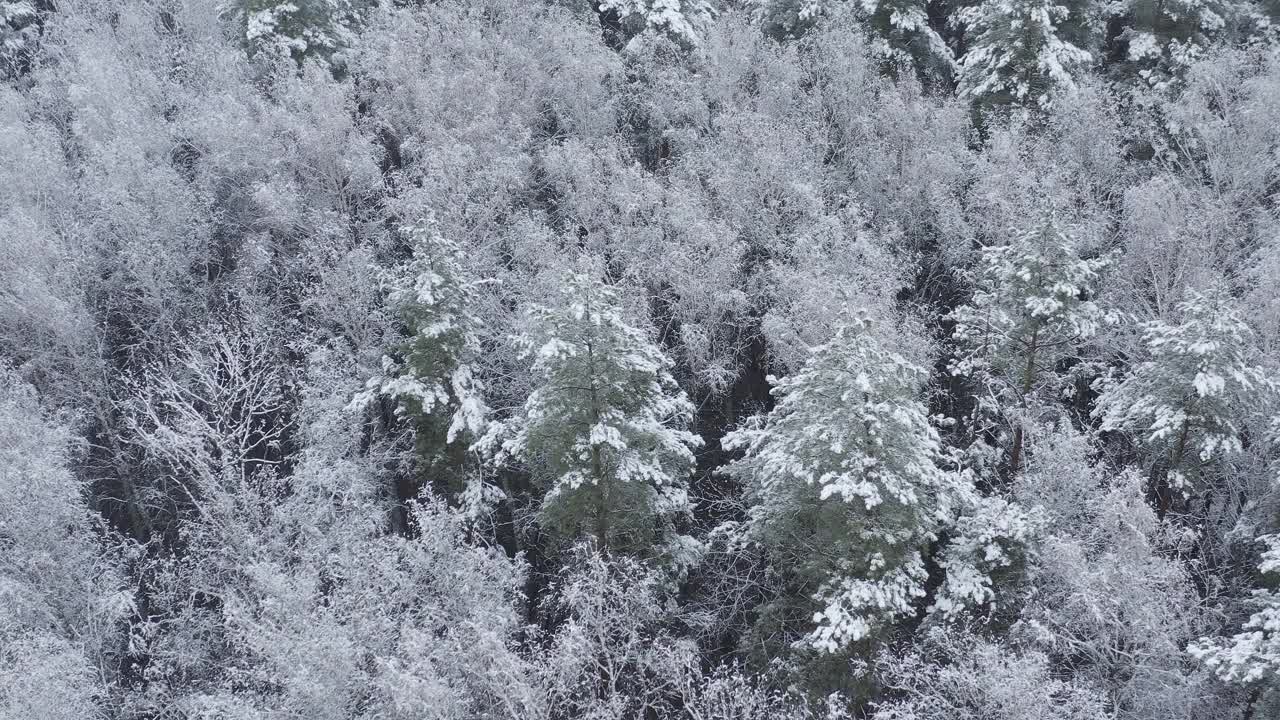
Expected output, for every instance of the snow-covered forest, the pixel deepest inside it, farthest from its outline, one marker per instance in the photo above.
(639, 359)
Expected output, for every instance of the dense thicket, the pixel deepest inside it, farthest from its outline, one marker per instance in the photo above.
(657, 358)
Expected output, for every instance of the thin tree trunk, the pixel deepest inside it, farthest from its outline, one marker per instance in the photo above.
(602, 499)
(597, 465)
(1028, 377)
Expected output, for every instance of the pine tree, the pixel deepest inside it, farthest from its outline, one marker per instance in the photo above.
(1022, 51)
(1161, 39)
(20, 27)
(682, 20)
(299, 29)
(1030, 311)
(604, 426)
(430, 374)
(788, 18)
(1188, 402)
(845, 484)
(1251, 656)
(899, 30)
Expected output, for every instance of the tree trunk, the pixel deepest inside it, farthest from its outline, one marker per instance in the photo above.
(597, 465)
(1028, 377)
